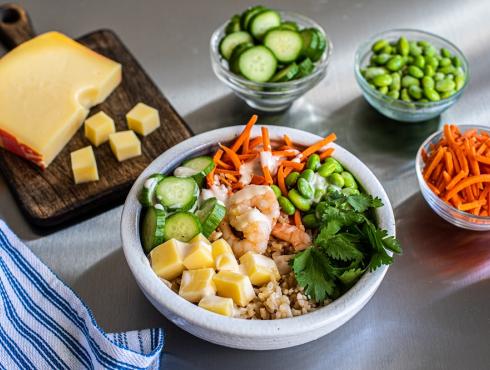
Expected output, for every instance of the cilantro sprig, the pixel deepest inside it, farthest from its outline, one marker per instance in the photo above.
(348, 244)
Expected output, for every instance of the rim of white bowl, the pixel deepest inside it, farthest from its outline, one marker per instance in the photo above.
(156, 291)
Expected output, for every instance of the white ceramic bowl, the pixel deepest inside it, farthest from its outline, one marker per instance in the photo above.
(240, 333)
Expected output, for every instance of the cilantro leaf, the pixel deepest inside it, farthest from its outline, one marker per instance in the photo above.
(343, 217)
(380, 241)
(362, 202)
(340, 246)
(350, 276)
(313, 272)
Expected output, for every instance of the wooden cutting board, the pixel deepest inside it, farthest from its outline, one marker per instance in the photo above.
(50, 198)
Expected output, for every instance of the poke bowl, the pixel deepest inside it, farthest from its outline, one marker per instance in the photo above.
(252, 300)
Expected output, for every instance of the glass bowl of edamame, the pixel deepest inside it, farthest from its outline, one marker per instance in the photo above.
(410, 75)
(245, 67)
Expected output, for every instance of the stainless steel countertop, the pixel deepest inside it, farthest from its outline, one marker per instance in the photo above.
(433, 308)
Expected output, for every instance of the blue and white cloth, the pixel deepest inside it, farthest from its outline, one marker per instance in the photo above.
(45, 325)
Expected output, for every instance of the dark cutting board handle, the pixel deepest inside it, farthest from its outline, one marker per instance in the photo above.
(15, 25)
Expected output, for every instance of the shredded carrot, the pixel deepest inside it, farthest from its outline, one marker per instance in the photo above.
(267, 175)
(265, 139)
(220, 163)
(242, 137)
(295, 165)
(230, 172)
(327, 153)
(471, 205)
(464, 184)
(297, 219)
(255, 142)
(435, 162)
(448, 159)
(248, 156)
(287, 171)
(257, 180)
(284, 153)
(288, 141)
(317, 146)
(281, 180)
(233, 156)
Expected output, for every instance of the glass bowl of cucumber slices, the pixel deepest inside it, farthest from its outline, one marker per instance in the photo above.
(270, 58)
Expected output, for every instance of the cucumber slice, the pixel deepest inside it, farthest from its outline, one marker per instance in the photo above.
(210, 215)
(233, 62)
(289, 25)
(249, 14)
(182, 226)
(177, 193)
(306, 67)
(230, 42)
(202, 165)
(263, 22)
(314, 43)
(286, 45)
(257, 64)
(233, 25)
(147, 193)
(152, 228)
(286, 74)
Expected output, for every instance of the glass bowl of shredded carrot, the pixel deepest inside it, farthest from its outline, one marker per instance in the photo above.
(453, 170)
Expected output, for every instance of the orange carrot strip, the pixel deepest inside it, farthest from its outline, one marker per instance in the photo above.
(295, 165)
(287, 171)
(231, 177)
(434, 163)
(288, 141)
(469, 194)
(225, 181)
(257, 180)
(230, 172)
(425, 157)
(482, 148)
(448, 134)
(436, 175)
(471, 205)
(265, 139)
(457, 200)
(210, 175)
(483, 159)
(220, 163)
(267, 175)
(317, 146)
(448, 160)
(447, 176)
(233, 156)
(455, 180)
(433, 188)
(280, 180)
(470, 133)
(255, 141)
(248, 156)
(246, 131)
(463, 184)
(285, 153)
(463, 162)
(327, 153)
(456, 165)
(297, 219)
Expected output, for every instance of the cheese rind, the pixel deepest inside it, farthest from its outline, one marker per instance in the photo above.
(83, 165)
(98, 128)
(47, 86)
(125, 145)
(143, 119)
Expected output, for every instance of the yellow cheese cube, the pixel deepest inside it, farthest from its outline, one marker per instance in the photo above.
(48, 85)
(226, 261)
(83, 165)
(166, 259)
(125, 145)
(235, 286)
(219, 305)
(143, 119)
(199, 255)
(98, 128)
(196, 284)
(260, 269)
(221, 246)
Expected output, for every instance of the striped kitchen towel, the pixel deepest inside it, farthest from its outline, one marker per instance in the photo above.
(45, 325)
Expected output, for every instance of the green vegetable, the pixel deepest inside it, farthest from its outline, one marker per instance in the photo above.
(231, 41)
(291, 179)
(349, 181)
(210, 214)
(276, 190)
(286, 205)
(152, 228)
(336, 179)
(395, 63)
(182, 226)
(300, 202)
(313, 162)
(286, 45)
(305, 188)
(310, 221)
(403, 46)
(336, 163)
(307, 174)
(177, 193)
(379, 45)
(382, 80)
(233, 25)
(147, 193)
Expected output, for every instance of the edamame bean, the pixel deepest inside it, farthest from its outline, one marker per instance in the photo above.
(445, 62)
(445, 53)
(428, 82)
(419, 61)
(326, 169)
(447, 94)
(395, 63)
(291, 179)
(445, 85)
(307, 175)
(350, 191)
(395, 94)
(408, 59)
(286, 205)
(372, 72)
(349, 181)
(403, 46)
(382, 80)
(299, 201)
(304, 188)
(313, 162)
(415, 49)
(310, 221)
(423, 100)
(380, 59)
(432, 61)
(276, 190)
(404, 95)
(459, 80)
(429, 50)
(447, 69)
(459, 72)
(338, 166)
(423, 43)
(336, 179)
(379, 45)
(432, 94)
(395, 82)
(415, 92)
(409, 81)
(438, 76)
(388, 49)
(319, 193)
(429, 70)
(450, 76)
(383, 90)
(415, 71)
(456, 61)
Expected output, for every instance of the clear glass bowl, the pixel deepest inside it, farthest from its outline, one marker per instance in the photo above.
(395, 108)
(451, 214)
(270, 96)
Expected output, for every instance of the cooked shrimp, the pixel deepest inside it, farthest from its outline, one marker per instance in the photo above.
(253, 211)
(298, 238)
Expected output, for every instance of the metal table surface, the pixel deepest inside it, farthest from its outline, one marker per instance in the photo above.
(432, 309)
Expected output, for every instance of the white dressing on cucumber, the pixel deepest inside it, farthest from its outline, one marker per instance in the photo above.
(159, 206)
(185, 172)
(220, 192)
(151, 182)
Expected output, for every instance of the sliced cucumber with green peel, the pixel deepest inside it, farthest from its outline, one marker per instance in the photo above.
(152, 228)
(322, 44)
(288, 73)
(257, 63)
(210, 214)
(231, 41)
(289, 25)
(147, 193)
(237, 51)
(306, 67)
(203, 165)
(182, 226)
(286, 45)
(263, 22)
(233, 25)
(177, 193)
(314, 43)
(249, 14)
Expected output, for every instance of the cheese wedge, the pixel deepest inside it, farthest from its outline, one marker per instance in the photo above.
(48, 85)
